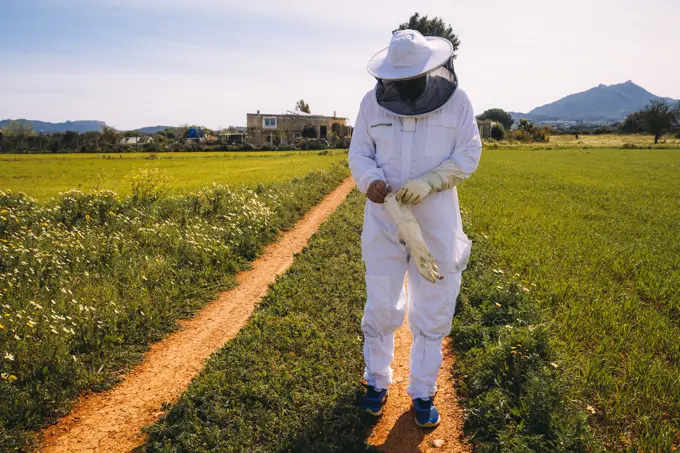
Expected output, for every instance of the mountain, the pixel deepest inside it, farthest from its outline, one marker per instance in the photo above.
(76, 126)
(152, 129)
(603, 103)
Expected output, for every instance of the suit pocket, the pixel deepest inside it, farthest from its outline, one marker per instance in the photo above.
(383, 136)
(439, 140)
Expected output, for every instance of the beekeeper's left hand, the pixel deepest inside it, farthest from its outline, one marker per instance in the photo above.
(444, 177)
(415, 190)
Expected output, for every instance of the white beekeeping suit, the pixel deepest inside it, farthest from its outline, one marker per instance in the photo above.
(422, 148)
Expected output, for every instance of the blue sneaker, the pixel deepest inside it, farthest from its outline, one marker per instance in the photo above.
(373, 400)
(427, 416)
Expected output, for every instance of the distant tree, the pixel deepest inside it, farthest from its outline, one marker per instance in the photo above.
(659, 117)
(70, 140)
(498, 115)
(109, 136)
(18, 128)
(431, 27)
(2, 142)
(525, 125)
(19, 131)
(633, 124)
(302, 106)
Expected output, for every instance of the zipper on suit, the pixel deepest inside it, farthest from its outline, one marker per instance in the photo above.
(408, 128)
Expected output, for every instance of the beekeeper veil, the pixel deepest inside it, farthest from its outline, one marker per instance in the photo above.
(411, 63)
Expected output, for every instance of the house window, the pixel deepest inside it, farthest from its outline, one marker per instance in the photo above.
(269, 122)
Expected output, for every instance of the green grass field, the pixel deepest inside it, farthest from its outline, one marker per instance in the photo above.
(569, 312)
(598, 233)
(88, 280)
(568, 318)
(43, 176)
(631, 141)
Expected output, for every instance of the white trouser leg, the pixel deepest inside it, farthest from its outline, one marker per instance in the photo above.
(386, 262)
(431, 308)
(383, 315)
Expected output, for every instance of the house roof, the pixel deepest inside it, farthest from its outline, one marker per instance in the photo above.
(135, 140)
(292, 113)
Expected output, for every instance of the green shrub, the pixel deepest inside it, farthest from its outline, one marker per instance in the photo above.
(498, 132)
(148, 184)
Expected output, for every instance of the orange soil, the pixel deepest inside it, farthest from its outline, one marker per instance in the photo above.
(396, 431)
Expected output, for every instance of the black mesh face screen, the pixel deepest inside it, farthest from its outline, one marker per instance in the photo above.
(419, 96)
(411, 88)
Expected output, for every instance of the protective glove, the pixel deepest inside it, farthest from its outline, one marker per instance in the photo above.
(444, 177)
(409, 231)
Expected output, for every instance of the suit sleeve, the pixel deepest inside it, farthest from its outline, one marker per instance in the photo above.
(362, 162)
(467, 147)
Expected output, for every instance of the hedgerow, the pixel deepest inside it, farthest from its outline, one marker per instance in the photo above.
(289, 380)
(88, 280)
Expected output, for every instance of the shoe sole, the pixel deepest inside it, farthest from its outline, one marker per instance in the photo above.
(429, 424)
(379, 412)
(374, 413)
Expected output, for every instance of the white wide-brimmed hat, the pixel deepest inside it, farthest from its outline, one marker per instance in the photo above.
(410, 55)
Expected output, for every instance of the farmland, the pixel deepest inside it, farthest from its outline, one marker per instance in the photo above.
(565, 335)
(43, 176)
(568, 318)
(88, 280)
(598, 234)
(588, 141)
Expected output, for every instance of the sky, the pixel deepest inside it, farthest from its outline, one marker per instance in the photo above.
(136, 63)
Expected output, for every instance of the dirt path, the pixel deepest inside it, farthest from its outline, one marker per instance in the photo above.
(110, 421)
(396, 431)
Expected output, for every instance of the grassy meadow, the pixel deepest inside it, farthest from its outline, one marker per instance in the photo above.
(43, 176)
(566, 331)
(289, 381)
(614, 141)
(630, 141)
(89, 279)
(594, 237)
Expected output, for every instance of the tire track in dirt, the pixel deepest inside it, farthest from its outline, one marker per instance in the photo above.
(396, 431)
(111, 421)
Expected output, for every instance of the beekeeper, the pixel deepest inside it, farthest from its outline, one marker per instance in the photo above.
(415, 139)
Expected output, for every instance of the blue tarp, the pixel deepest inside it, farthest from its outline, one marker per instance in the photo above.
(195, 133)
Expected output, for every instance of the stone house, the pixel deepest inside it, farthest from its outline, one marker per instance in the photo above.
(485, 127)
(134, 141)
(283, 129)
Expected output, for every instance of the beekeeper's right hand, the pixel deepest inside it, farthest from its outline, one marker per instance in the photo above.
(377, 191)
